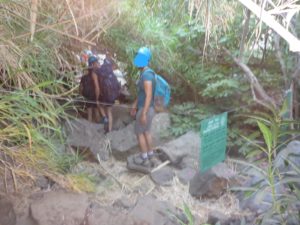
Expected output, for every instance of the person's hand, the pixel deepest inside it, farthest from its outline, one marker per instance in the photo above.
(133, 112)
(144, 118)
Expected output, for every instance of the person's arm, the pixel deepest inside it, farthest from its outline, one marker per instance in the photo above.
(148, 93)
(96, 85)
(134, 108)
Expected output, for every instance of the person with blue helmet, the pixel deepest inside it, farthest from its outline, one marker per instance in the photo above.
(143, 107)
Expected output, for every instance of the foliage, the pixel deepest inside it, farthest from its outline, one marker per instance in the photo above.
(187, 212)
(275, 133)
(35, 72)
(177, 42)
(187, 116)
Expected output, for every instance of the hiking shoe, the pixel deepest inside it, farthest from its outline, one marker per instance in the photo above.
(154, 161)
(141, 161)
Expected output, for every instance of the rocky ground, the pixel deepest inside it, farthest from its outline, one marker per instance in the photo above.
(128, 196)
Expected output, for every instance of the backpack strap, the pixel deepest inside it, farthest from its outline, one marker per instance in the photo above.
(155, 81)
(155, 78)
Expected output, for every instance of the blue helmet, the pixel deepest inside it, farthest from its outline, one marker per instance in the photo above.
(92, 59)
(142, 57)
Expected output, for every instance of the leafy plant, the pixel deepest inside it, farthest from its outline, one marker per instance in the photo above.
(189, 216)
(187, 116)
(275, 133)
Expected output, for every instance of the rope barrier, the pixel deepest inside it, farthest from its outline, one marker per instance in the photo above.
(56, 97)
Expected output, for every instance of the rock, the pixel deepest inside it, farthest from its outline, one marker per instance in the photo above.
(290, 153)
(59, 208)
(121, 117)
(184, 151)
(131, 165)
(123, 203)
(161, 122)
(125, 139)
(111, 216)
(260, 201)
(80, 132)
(163, 176)
(42, 182)
(154, 212)
(217, 217)
(91, 169)
(211, 183)
(7, 213)
(100, 146)
(186, 175)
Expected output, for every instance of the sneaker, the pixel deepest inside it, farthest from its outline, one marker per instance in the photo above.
(140, 161)
(154, 161)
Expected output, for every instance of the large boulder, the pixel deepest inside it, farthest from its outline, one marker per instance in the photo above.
(125, 139)
(184, 151)
(287, 156)
(121, 117)
(163, 176)
(155, 212)
(111, 216)
(186, 175)
(84, 134)
(60, 208)
(7, 212)
(261, 200)
(211, 183)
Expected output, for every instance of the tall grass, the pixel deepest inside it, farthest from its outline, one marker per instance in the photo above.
(38, 40)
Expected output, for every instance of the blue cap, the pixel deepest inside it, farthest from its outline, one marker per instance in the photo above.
(142, 57)
(92, 59)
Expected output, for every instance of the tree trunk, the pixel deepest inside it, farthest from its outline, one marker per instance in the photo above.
(244, 35)
(258, 93)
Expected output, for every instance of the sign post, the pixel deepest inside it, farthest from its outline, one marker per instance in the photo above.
(213, 141)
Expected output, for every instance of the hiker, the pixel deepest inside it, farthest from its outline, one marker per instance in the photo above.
(89, 88)
(143, 108)
(109, 92)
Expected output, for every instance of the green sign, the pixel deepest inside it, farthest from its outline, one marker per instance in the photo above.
(213, 141)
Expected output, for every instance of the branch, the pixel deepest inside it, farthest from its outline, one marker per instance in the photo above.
(296, 74)
(258, 93)
(244, 35)
(280, 58)
(264, 16)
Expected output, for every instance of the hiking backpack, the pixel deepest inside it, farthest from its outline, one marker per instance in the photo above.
(162, 92)
(87, 85)
(109, 85)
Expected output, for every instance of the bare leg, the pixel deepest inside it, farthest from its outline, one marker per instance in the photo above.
(97, 114)
(90, 114)
(110, 118)
(148, 138)
(101, 110)
(142, 143)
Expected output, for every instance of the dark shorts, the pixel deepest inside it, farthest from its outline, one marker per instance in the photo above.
(105, 101)
(142, 128)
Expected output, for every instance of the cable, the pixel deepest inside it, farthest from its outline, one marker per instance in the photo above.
(68, 99)
(104, 103)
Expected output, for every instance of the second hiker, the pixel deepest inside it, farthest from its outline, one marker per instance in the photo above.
(143, 108)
